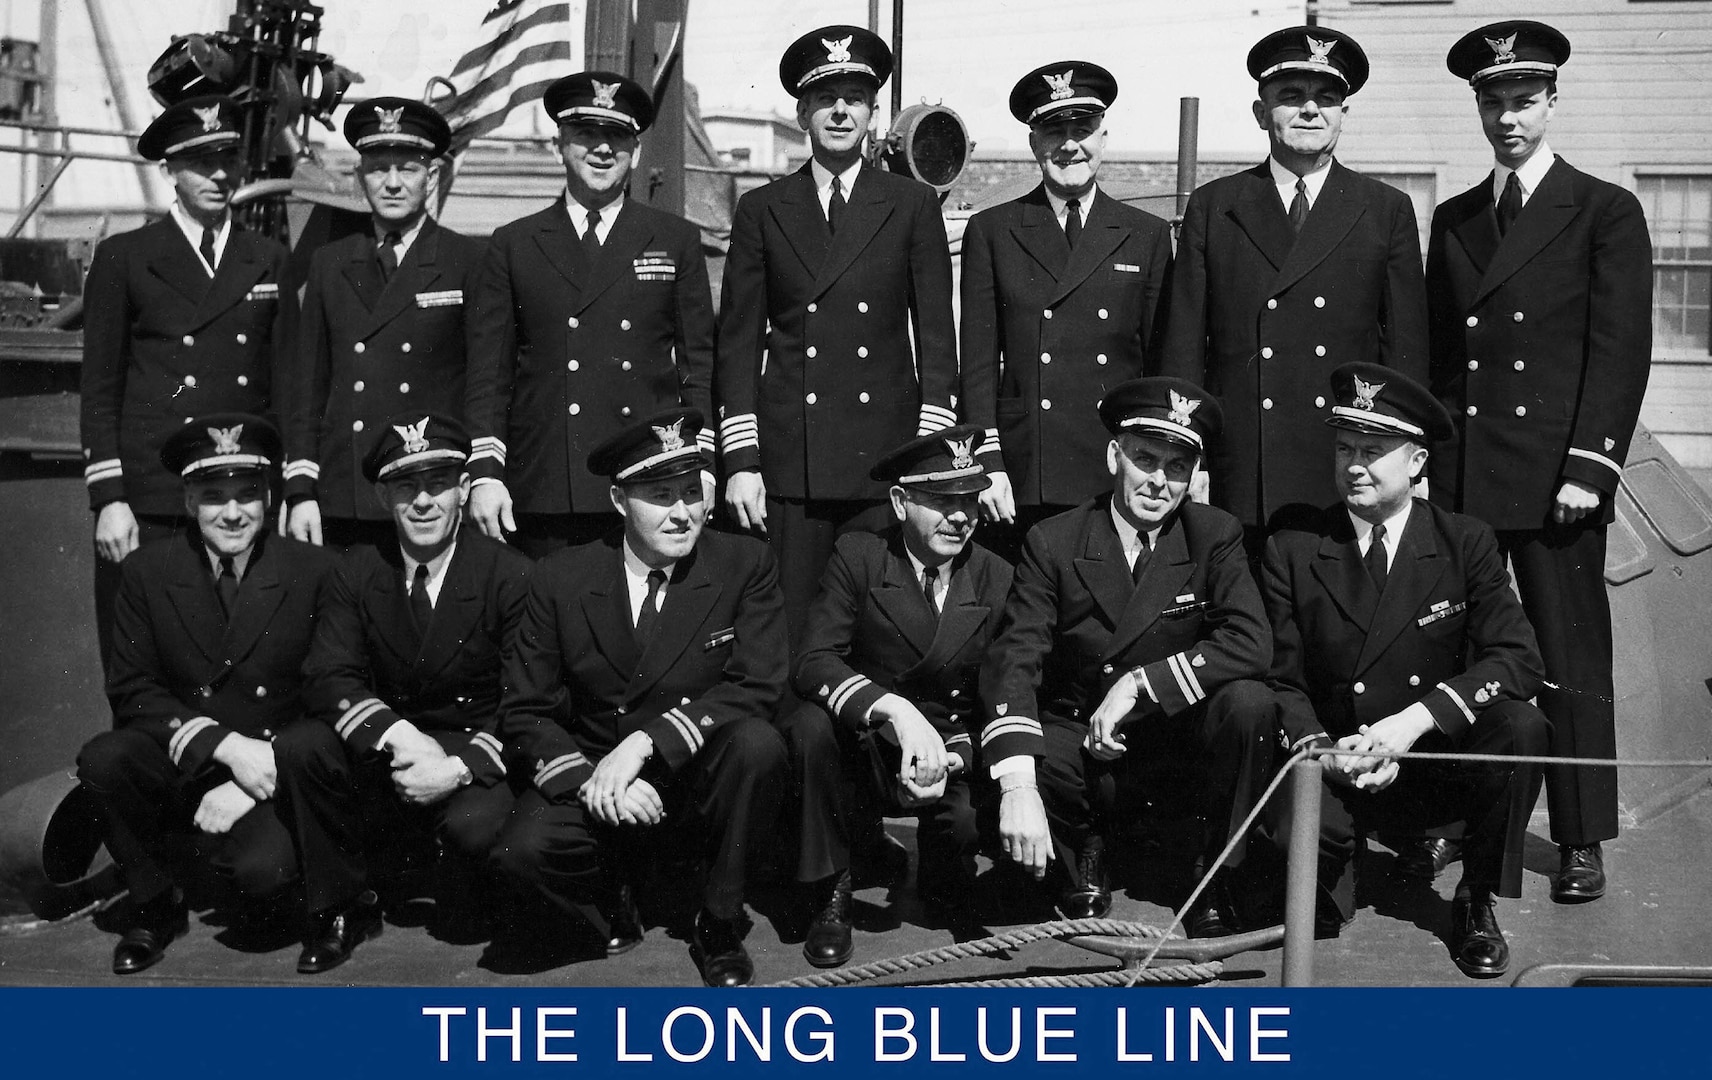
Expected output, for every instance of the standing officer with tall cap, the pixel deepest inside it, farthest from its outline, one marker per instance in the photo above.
(1395, 629)
(405, 675)
(211, 627)
(186, 316)
(1285, 271)
(1540, 280)
(1133, 618)
(641, 687)
(385, 325)
(890, 660)
(589, 315)
(1063, 292)
(830, 271)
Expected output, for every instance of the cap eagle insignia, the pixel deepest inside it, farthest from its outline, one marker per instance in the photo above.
(1061, 84)
(414, 440)
(209, 115)
(390, 119)
(1182, 408)
(671, 436)
(1365, 392)
(838, 52)
(226, 439)
(1503, 49)
(1319, 52)
(962, 452)
(605, 94)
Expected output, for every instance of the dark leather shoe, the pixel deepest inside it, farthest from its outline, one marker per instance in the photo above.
(1093, 898)
(882, 861)
(828, 943)
(717, 946)
(337, 933)
(624, 929)
(1425, 857)
(1476, 943)
(1213, 914)
(1581, 874)
(145, 943)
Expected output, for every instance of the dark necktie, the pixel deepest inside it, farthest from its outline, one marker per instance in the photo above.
(1299, 206)
(1509, 204)
(650, 613)
(929, 579)
(591, 235)
(389, 255)
(1142, 554)
(420, 605)
(228, 586)
(1378, 567)
(207, 249)
(835, 205)
(1073, 222)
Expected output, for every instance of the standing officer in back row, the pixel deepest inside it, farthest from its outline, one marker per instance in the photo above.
(384, 325)
(1062, 293)
(186, 316)
(590, 315)
(1540, 280)
(836, 340)
(1287, 270)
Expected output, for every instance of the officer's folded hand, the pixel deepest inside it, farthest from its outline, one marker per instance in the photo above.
(923, 761)
(303, 521)
(746, 498)
(221, 808)
(410, 746)
(251, 764)
(641, 804)
(1575, 501)
(1023, 830)
(115, 531)
(997, 502)
(490, 509)
(1103, 740)
(603, 793)
(426, 782)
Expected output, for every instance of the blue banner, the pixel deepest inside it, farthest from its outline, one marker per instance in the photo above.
(260, 1034)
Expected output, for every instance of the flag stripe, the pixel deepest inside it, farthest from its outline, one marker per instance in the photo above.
(482, 55)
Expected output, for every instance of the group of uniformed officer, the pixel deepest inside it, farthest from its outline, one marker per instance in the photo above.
(843, 650)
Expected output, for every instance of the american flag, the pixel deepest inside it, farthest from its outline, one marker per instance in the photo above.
(534, 42)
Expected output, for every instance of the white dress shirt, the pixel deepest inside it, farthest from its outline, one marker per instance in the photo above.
(192, 230)
(1285, 181)
(1394, 526)
(636, 581)
(580, 214)
(436, 571)
(823, 182)
(1529, 176)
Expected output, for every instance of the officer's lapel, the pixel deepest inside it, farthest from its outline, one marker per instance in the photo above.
(1167, 572)
(1548, 212)
(1038, 233)
(1335, 213)
(899, 599)
(1101, 566)
(415, 274)
(240, 267)
(395, 623)
(962, 615)
(455, 613)
(174, 261)
(1415, 572)
(560, 245)
(1477, 232)
(362, 271)
(683, 617)
(1342, 574)
(1258, 213)
(191, 588)
(259, 596)
(1101, 235)
(867, 211)
(615, 262)
(797, 210)
(606, 609)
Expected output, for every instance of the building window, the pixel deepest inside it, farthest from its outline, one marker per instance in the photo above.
(1679, 216)
(1421, 187)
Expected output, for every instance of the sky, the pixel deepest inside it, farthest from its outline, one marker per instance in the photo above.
(965, 54)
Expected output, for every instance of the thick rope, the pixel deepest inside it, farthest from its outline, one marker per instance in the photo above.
(1180, 973)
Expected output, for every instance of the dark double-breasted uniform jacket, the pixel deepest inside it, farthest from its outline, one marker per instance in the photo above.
(1046, 331)
(1541, 344)
(576, 683)
(185, 675)
(371, 665)
(818, 375)
(566, 353)
(870, 633)
(371, 347)
(163, 343)
(1448, 632)
(1260, 316)
(1076, 622)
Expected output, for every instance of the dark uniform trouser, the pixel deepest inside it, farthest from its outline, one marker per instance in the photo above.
(147, 808)
(723, 803)
(1560, 574)
(1232, 733)
(835, 781)
(1495, 800)
(539, 535)
(150, 527)
(336, 806)
(802, 533)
